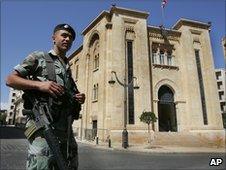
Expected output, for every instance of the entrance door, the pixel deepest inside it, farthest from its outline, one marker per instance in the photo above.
(166, 110)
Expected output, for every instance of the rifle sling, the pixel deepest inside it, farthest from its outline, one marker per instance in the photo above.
(52, 77)
(50, 67)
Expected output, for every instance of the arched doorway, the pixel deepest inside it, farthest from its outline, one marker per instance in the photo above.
(166, 110)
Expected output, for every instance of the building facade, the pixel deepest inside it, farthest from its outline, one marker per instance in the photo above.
(173, 68)
(3, 115)
(15, 115)
(220, 76)
(224, 47)
(221, 80)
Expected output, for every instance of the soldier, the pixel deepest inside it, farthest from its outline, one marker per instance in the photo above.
(32, 74)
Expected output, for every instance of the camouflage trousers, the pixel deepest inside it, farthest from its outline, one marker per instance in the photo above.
(40, 156)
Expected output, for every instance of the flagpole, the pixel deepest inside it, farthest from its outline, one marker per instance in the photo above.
(162, 14)
(163, 31)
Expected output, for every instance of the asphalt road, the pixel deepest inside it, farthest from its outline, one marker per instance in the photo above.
(14, 150)
(92, 158)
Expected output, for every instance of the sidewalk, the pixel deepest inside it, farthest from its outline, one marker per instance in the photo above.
(154, 149)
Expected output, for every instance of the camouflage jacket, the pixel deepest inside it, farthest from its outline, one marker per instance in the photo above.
(34, 65)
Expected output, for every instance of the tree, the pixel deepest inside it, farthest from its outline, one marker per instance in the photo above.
(3, 118)
(148, 118)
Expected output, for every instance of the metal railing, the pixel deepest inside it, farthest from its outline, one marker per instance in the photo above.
(91, 134)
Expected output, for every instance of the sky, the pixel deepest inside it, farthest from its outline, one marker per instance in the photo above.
(27, 25)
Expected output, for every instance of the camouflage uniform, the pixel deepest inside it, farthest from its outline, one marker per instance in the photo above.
(39, 154)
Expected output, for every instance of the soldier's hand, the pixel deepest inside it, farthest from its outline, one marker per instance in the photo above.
(52, 88)
(80, 97)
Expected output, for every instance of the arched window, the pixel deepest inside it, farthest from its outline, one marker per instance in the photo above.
(165, 94)
(169, 57)
(161, 56)
(96, 59)
(95, 92)
(95, 51)
(154, 55)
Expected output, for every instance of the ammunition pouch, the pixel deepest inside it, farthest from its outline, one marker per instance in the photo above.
(55, 106)
(73, 107)
(31, 130)
(28, 105)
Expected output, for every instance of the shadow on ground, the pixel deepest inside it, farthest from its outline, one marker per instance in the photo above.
(7, 132)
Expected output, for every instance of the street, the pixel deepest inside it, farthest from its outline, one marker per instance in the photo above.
(92, 158)
(14, 150)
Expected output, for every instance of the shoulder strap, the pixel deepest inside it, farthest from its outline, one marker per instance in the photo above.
(50, 71)
(50, 67)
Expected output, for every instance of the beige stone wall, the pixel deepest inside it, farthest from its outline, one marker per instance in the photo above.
(92, 109)
(109, 108)
(140, 66)
(190, 82)
(116, 63)
(171, 78)
(191, 39)
(215, 121)
(108, 35)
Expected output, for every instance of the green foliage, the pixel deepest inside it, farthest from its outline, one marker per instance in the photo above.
(148, 117)
(3, 118)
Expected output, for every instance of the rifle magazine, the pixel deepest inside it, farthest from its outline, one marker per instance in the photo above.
(30, 131)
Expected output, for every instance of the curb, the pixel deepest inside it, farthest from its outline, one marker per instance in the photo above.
(158, 149)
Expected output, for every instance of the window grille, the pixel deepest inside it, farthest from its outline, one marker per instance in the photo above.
(201, 87)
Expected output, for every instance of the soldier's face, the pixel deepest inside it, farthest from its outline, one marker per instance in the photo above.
(62, 40)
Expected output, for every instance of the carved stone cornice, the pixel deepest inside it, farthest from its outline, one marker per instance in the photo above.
(158, 30)
(156, 35)
(129, 20)
(166, 67)
(156, 45)
(159, 36)
(130, 35)
(129, 28)
(197, 32)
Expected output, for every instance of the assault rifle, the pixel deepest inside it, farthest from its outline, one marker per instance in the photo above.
(42, 117)
(69, 102)
(73, 109)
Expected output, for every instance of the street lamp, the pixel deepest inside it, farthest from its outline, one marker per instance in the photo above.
(125, 85)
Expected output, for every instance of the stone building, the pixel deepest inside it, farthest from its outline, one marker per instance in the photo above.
(3, 115)
(220, 76)
(224, 47)
(173, 69)
(15, 107)
(221, 85)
